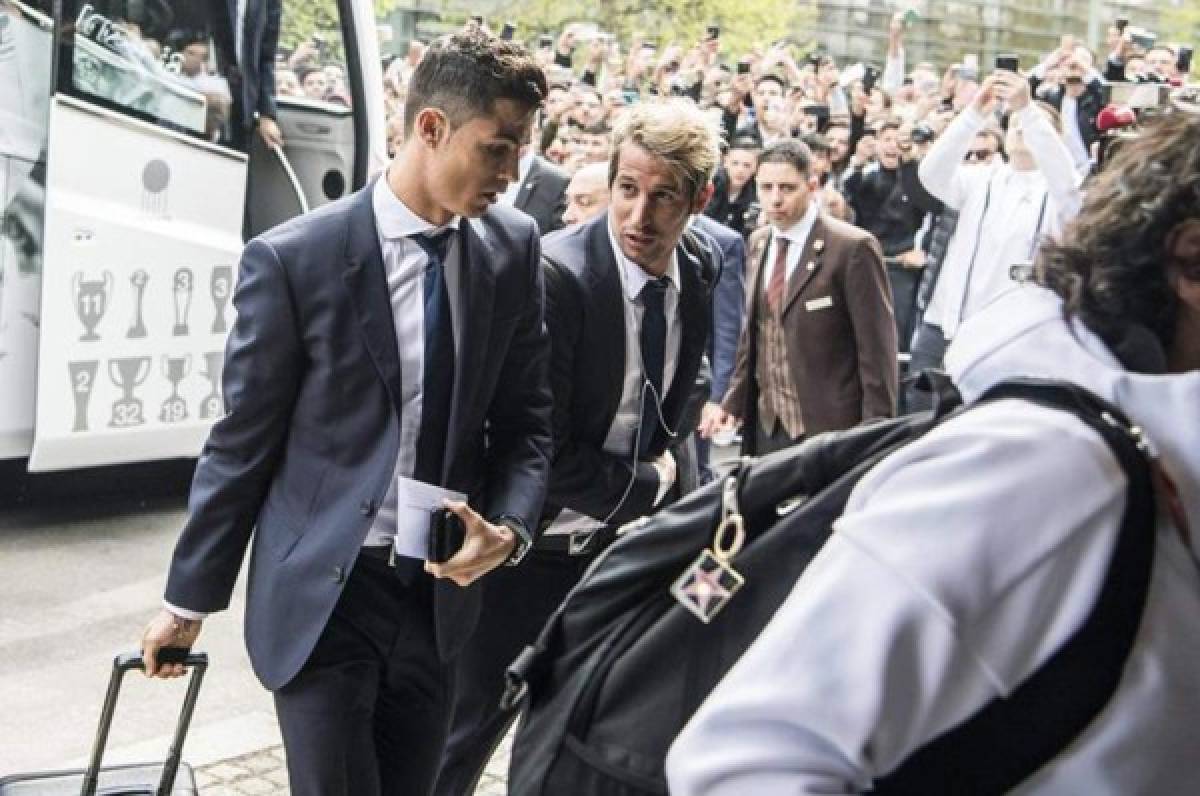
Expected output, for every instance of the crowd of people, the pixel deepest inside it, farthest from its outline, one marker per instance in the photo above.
(581, 268)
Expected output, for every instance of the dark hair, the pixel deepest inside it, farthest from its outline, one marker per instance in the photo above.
(891, 123)
(994, 134)
(1111, 266)
(790, 151)
(747, 142)
(465, 73)
(772, 77)
(600, 128)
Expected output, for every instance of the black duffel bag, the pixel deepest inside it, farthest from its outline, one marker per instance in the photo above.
(665, 612)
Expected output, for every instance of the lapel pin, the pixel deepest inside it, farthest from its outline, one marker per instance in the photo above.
(811, 266)
(818, 245)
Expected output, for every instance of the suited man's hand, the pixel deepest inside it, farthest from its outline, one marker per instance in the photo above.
(485, 547)
(712, 419)
(167, 630)
(268, 128)
(717, 421)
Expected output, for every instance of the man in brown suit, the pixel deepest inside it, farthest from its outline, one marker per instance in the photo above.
(818, 351)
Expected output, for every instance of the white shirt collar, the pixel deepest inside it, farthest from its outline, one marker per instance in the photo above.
(798, 233)
(633, 277)
(394, 219)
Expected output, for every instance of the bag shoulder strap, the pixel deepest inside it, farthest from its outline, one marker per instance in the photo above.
(1009, 739)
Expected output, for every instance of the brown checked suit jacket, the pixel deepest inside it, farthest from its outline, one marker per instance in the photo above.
(841, 334)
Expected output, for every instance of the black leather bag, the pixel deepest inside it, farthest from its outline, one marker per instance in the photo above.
(622, 665)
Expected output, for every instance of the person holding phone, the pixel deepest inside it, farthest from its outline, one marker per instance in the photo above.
(1078, 99)
(1005, 209)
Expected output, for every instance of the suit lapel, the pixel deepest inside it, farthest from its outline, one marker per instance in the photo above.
(475, 307)
(609, 303)
(808, 257)
(366, 282)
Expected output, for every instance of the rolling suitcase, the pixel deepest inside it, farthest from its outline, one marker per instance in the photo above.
(170, 778)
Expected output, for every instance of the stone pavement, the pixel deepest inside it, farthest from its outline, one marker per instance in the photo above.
(264, 773)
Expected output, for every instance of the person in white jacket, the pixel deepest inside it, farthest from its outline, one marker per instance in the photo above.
(964, 560)
(1004, 210)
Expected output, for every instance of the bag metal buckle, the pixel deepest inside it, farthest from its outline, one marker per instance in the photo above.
(710, 582)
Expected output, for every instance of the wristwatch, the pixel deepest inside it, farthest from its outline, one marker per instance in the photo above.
(524, 540)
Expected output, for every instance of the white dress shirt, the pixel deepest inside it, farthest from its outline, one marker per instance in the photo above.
(627, 421)
(797, 235)
(960, 564)
(404, 261)
(1075, 144)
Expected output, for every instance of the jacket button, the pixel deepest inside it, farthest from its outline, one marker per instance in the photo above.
(367, 508)
(339, 574)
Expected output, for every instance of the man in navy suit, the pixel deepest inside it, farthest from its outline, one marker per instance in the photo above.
(628, 310)
(395, 334)
(249, 41)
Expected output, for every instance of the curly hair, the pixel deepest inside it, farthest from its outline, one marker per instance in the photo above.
(1110, 265)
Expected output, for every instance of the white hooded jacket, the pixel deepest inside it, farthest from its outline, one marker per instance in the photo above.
(961, 563)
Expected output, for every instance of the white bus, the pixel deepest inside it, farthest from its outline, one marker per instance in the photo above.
(126, 191)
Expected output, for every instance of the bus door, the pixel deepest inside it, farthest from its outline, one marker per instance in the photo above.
(329, 105)
(146, 197)
(26, 53)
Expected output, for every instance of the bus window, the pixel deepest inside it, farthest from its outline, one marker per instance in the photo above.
(310, 64)
(156, 61)
(25, 55)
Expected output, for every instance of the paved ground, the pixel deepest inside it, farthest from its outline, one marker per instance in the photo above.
(264, 772)
(81, 576)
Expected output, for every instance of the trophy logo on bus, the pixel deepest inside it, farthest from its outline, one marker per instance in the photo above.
(176, 369)
(91, 302)
(138, 279)
(83, 378)
(219, 285)
(128, 373)
(213, 406)
(156, 175)
(183, 285)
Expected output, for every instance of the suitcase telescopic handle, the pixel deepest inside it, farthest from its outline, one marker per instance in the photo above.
(126, 662)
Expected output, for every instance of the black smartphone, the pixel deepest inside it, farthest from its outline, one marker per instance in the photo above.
(446, 535)
(869, 77)
(477, 19)
(1184, 62)
(545, 41)
(743, 67)
(712, 32)
(506, 32)
(1008, 63)
(1120, 23)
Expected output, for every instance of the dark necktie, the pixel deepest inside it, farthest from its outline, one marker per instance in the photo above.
(778, 280)
(437, 384)
(654, 345)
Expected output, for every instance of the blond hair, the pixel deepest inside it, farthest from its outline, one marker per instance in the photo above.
(675, 130)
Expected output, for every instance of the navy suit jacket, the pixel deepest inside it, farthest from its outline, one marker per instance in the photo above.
(729, 303)
(586, 319)
(543, 194)
(297, 467)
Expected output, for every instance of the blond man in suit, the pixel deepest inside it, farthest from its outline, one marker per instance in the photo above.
(818, 351)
